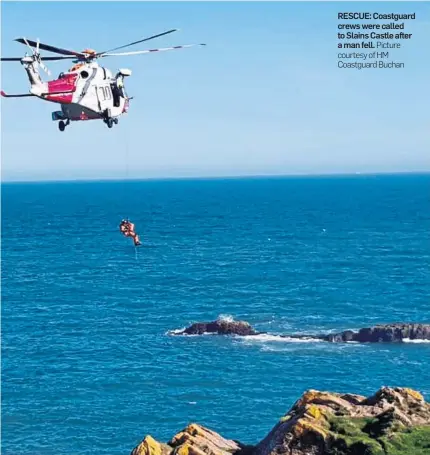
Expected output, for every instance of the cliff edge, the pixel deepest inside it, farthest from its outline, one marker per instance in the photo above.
(393, 421)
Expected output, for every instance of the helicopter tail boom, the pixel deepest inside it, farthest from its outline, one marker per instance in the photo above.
(19, 95)
(23, 95)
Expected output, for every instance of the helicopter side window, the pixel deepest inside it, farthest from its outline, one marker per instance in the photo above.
(84, 74)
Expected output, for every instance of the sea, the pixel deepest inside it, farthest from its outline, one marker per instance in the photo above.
(90, 362)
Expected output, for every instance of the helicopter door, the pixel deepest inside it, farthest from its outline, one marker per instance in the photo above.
(104, 95)
(115, 94)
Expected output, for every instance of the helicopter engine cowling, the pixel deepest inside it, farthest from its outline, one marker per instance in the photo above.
(125, 72)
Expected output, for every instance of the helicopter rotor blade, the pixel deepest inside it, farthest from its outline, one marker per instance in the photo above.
(28, 45)
(49, 48)
(39, 58)
(148, 51)
(44, 68)
(11, 59)
(52, 59)
(55, 59)
(137, 42)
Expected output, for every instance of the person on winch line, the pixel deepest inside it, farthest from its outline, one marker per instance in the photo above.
(118, 89)
(120, 84)
(127, 229)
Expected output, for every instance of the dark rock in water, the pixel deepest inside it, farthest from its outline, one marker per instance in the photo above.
(220, 327)
(342, 337)
(393, 421)
(388, 333)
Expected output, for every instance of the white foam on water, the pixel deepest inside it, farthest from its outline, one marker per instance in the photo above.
(175, 331)
(226, 318)
(408, 340)
(180, 332)
(264, 338)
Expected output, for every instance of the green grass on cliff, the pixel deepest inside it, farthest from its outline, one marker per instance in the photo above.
(415, 441)
(351, 439)
(359, 436)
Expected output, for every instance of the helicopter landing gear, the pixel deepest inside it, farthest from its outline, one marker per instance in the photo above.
(111, 121)
(62, 125)
(108, 119)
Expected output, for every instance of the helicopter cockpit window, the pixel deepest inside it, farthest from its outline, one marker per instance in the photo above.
(84, 74)
(60, 76)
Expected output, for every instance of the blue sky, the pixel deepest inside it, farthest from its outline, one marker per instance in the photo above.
(264, 97)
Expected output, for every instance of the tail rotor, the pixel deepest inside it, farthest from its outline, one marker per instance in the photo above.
(36, 55)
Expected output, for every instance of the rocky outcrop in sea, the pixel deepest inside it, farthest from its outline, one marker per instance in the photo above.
(393, 421)
(220, 327)
(387, 333)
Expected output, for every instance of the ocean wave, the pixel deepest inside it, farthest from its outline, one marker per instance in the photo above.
(408, 340)
(175, 331)
(225, 317)
(180, 332)
(265, 337)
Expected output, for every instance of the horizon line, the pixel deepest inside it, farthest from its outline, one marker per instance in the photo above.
(220, 177)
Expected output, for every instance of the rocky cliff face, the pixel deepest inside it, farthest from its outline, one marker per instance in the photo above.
(394, 421)
(322, 423)
(193, 440)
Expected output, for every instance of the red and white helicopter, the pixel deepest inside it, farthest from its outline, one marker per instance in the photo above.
(87, 91)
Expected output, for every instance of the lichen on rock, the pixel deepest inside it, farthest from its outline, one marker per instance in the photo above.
(393, 421)
(149, 446)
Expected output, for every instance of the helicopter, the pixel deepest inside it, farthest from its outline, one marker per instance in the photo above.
(87, 91)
